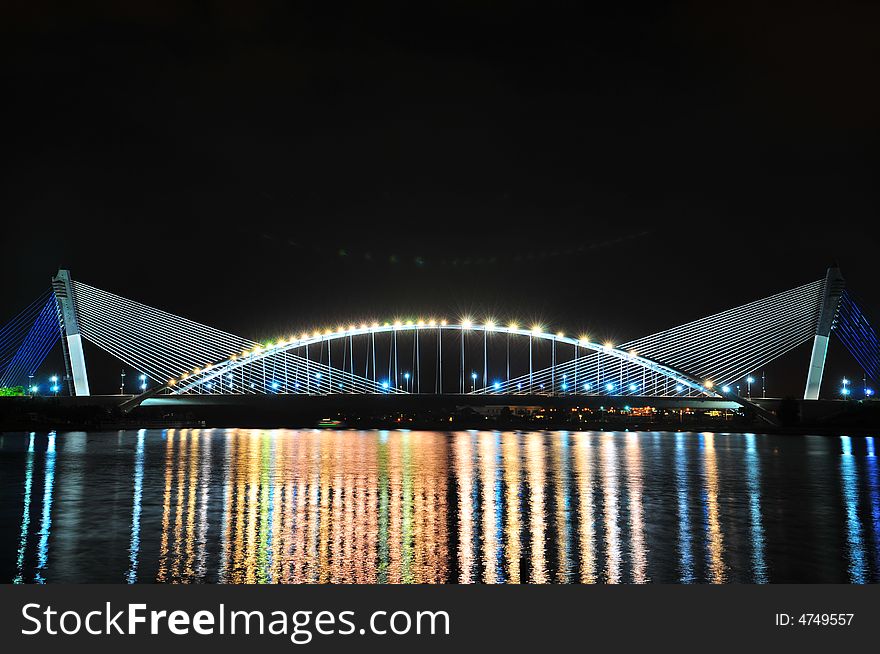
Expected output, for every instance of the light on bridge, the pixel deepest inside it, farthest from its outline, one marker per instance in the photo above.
(725, 389)
(513, 325)
(467, 323)
(537, 329)
(633, 387)
(587, 387)
(490, 325)
(609, 387)
(496, 386)
(679, 388)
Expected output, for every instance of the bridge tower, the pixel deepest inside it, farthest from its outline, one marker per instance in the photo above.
(834, 287)
(71, 340)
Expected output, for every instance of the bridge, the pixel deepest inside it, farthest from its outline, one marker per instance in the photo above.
(702, 360)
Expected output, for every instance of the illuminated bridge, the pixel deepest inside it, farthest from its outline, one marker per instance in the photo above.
(708, 358)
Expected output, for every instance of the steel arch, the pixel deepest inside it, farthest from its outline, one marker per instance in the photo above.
(211, 371)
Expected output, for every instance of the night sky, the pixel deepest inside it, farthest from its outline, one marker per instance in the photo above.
(269, 167)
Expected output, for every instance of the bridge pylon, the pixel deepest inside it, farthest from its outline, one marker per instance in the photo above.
(834, 288)
(71, 340)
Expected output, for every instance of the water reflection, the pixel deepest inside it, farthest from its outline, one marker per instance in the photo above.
(753, 478)
(874, 489)
(686, 556)
(26, 513)
(633, 458)
(714, 533)
(611, 504)
(135, 543)
(252, 506)
(849, 476)
(586, 518)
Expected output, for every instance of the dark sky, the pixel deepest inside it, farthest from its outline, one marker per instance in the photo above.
(264, 167)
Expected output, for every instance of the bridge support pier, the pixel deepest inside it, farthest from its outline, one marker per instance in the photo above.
(71, 338)
(834, 286)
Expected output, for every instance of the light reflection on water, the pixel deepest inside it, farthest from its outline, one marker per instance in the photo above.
(254, 506)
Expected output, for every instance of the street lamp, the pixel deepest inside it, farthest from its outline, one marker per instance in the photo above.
(54, 380)
(406, 377)
(122, 382)
(474, 378)
(845, 390)
(750, 380)
(143, 379)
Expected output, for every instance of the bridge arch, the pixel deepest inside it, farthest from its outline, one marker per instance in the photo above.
(200, 377)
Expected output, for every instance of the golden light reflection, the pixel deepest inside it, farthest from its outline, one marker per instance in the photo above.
(611, 504)
(464, 467)
(166, 508)
(717, 568)
(490, 507)
(561, 466)
(309, 507)
(343, 507)
(635, 502)
(537, 518)
(510, 448)
(587, 527)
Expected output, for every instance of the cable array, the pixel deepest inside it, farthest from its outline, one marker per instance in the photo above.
(155, 342)
(595, 373)
(27, 339)
(284, 372)
(727, 346)
(165, 346)
(858, 336)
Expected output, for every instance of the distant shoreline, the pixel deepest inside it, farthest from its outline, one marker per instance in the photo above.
(435, 413)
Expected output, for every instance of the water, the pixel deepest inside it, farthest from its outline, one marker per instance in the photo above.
(254, 506)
